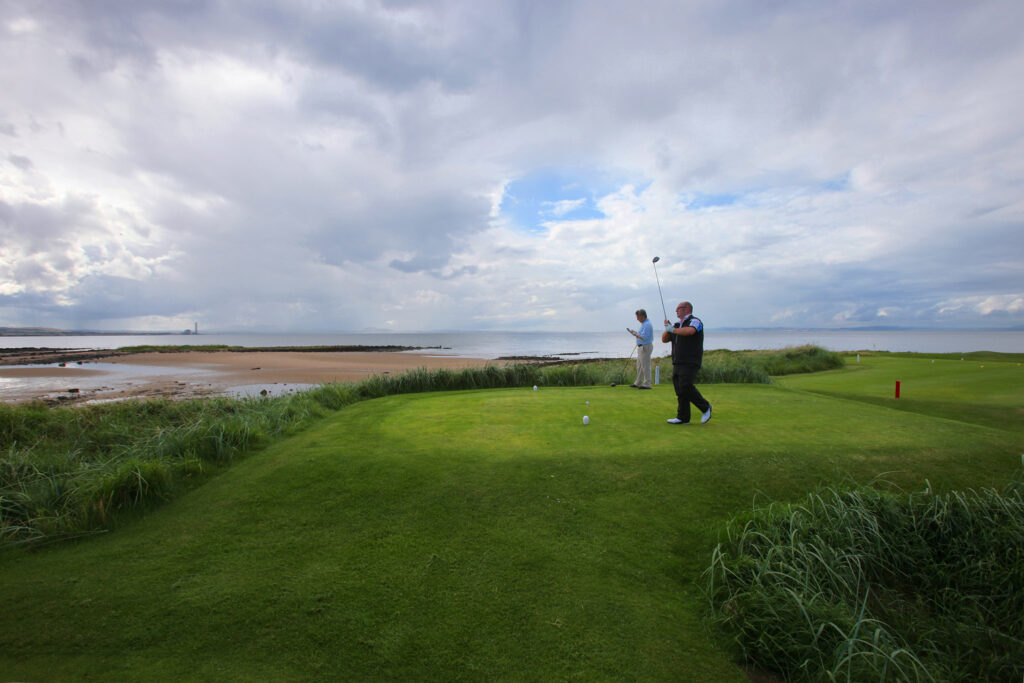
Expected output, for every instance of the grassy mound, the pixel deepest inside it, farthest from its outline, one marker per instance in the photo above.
(65, 472)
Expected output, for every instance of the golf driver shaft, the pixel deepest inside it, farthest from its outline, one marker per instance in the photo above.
(660, 296)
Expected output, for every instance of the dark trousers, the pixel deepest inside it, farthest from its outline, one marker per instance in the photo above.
(683, 377)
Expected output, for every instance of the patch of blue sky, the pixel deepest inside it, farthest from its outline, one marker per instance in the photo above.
(837, 184)
(696, 201)
(550, 195)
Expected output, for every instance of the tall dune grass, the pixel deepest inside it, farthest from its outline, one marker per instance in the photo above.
(867, 585)
(71, 470)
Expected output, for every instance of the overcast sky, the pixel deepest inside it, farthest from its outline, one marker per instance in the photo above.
(317, 166)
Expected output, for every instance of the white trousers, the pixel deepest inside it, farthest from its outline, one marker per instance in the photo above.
(643, 365)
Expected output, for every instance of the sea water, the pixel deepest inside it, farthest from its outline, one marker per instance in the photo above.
(566, 345)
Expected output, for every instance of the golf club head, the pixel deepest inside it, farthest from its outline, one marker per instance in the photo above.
(655, 259)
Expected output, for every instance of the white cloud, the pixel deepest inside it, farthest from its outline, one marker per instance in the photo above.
(561, 208)
(986, 306)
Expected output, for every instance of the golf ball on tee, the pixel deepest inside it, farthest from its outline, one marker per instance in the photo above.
(586, 420)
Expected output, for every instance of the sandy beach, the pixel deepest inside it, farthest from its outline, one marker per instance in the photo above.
(193, 374)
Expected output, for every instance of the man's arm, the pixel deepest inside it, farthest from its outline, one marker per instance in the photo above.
(684, 331)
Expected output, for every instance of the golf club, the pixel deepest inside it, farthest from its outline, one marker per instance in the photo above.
(629, 358)
(655, 264)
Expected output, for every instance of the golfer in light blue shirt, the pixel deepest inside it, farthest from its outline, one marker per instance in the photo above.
(644, 347)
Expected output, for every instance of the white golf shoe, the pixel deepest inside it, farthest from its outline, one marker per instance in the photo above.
(706, 415)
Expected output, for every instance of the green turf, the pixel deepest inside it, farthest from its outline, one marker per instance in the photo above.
(987, 391)
(478, 535)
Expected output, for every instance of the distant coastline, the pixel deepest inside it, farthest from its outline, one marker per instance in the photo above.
(571, 344)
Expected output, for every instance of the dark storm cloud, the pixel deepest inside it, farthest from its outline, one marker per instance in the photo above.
(36, 226)
(429, 227)
(23, 163)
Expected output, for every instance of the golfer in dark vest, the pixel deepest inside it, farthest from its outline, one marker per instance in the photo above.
(687, 337)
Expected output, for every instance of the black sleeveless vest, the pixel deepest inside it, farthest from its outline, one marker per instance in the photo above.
(688, 350)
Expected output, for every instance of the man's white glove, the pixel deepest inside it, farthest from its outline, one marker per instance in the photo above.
(669, 328)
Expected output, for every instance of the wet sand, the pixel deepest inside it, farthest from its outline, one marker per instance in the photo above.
(192, 374)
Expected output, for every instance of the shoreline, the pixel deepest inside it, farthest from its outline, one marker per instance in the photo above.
(96, 377)
(33, 355)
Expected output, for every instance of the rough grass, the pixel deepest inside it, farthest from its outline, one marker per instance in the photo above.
(68, 471)
(869, 585)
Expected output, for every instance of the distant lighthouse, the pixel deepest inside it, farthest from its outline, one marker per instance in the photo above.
(196, 328)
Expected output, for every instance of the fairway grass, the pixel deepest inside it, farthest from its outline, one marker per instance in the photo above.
(474, 535)
(987, 391)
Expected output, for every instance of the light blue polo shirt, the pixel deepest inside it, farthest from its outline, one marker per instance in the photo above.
(646, 333)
